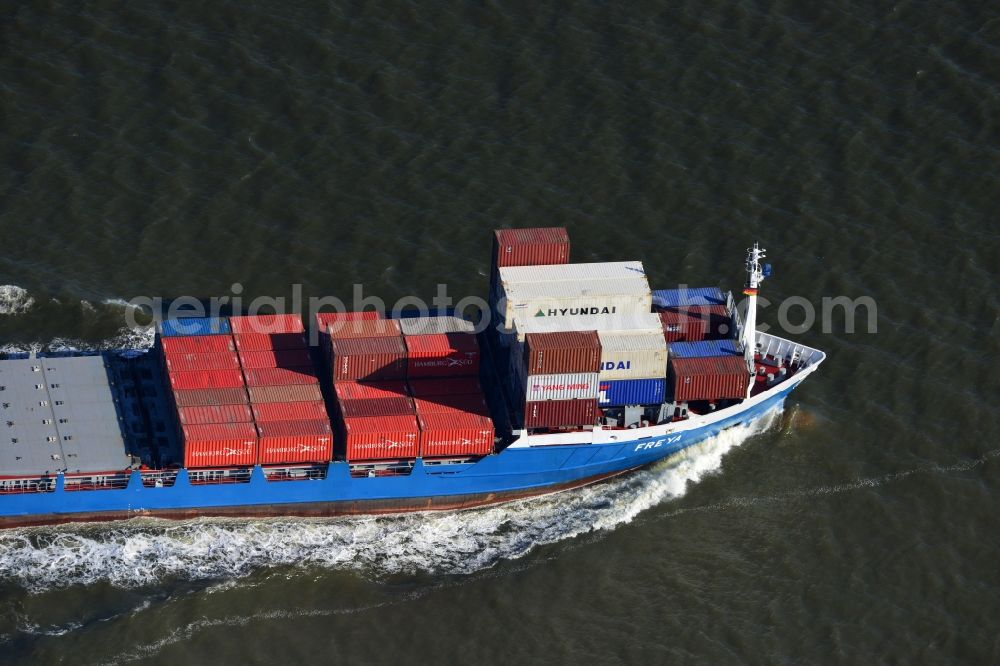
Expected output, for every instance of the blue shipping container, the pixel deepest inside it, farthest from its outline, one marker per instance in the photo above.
(705, 348)
(617, 392)
(676, 298)
(194, 326)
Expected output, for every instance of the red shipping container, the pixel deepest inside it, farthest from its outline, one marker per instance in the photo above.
(295, 441)
(269, 323)
(562, 353)
(324, 318)
(203, 414)
(381, 437)
(530, 247)
(369, 358)
(290, 393)
(345, 329)
(709, 378)
(219, 445)
(201, 379)
(376, 407)
(367, 390)
(203, 397)
(691, 324)
(423, 388)
(471, 404)
(441, 355)
(455, 434)
(271, 358)
(280, 376)
(186, 362)
(314, 410)
(248, 341)
(198, 344)
(560, 413)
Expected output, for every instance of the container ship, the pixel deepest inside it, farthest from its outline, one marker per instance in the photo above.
(574, 373)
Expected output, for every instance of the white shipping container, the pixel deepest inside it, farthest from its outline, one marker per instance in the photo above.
(575, 299)
(638, 322)
(582, 385)
(633, 355)
(427, 325)
(604, 270)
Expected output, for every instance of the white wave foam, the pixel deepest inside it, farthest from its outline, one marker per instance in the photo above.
(14, 299)
(145, 552)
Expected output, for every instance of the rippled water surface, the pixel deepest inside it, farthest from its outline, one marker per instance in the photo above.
(176, 149)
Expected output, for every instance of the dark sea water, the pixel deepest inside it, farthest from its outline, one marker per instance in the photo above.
(177, 148)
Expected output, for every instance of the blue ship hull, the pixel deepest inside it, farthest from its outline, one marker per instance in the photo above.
(518, 471)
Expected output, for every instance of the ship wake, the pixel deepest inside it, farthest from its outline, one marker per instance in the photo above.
(147, 552)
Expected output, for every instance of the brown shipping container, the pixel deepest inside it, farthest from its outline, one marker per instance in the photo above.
(691, 324)
(362, 328)
(708, 378)
(425, 388)
(455, 434)
(381, 438)
(560, 413)
(280, 376)
(202, 379)
(347, 390)
(324, 318)
(248, 341)
(376, 407)
(562, 353)
(203, 397)
(291, 393)
(202, 414)
(472, 404)
(268, 323)
(313, 410)
(369, 358)
(283, 358)
(188, 362)
(219, 445)
(295, 442)
(198, 344)
(530, 247)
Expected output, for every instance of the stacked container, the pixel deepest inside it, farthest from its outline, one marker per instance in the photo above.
(530, 247)
(690, 315)
(633, 367)
(367, 350)
(557, 376)
(212, 410)
(275, 361)
(709, 370)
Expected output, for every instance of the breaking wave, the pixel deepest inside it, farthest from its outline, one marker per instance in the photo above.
(14, 299)
(149, 551)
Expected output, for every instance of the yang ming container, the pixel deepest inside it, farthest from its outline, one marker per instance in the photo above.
(619, 392)
(369, 359)
(313, 410)
(530, 247)
(708, 378)
(214, 414)
(561, 387)
(280, 394)
(203, 397)
(280, 376)
(560, 413)
(381, 438)
(202, 379)
(219, 445)
(198, 344)
(455, 434)
(284, 442)
(186, 362)
(194, 326)
(633, 355)
(561, 353)
(441, 355)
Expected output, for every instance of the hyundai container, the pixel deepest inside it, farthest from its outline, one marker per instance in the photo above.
(633, 355)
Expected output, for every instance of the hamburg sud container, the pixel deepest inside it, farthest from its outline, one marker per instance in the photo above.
(219, 445)
(696, 323)
(198, 344)
(313, 410)
(560, 413)
(441, 355)
(573, 299)
(279, 376)
(202, 379)
(633, 354)
(376, 407)
(218, 361)
(561, 387)
(530, 247)
(369, 358)
(425, 388)
(708, 377)
(275, 358)
(619, 392)
(381, 437)
(281, 394)
(295, 441)
(201, 414)
(562, 353)
(455, 434)
(348, 390)
(203, 397)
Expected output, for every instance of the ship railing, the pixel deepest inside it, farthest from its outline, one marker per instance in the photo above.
(795, 354)
(27, 485)
(205, 477)
(159, 478)
(381, 469)
(117, 481)
(296, 473)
